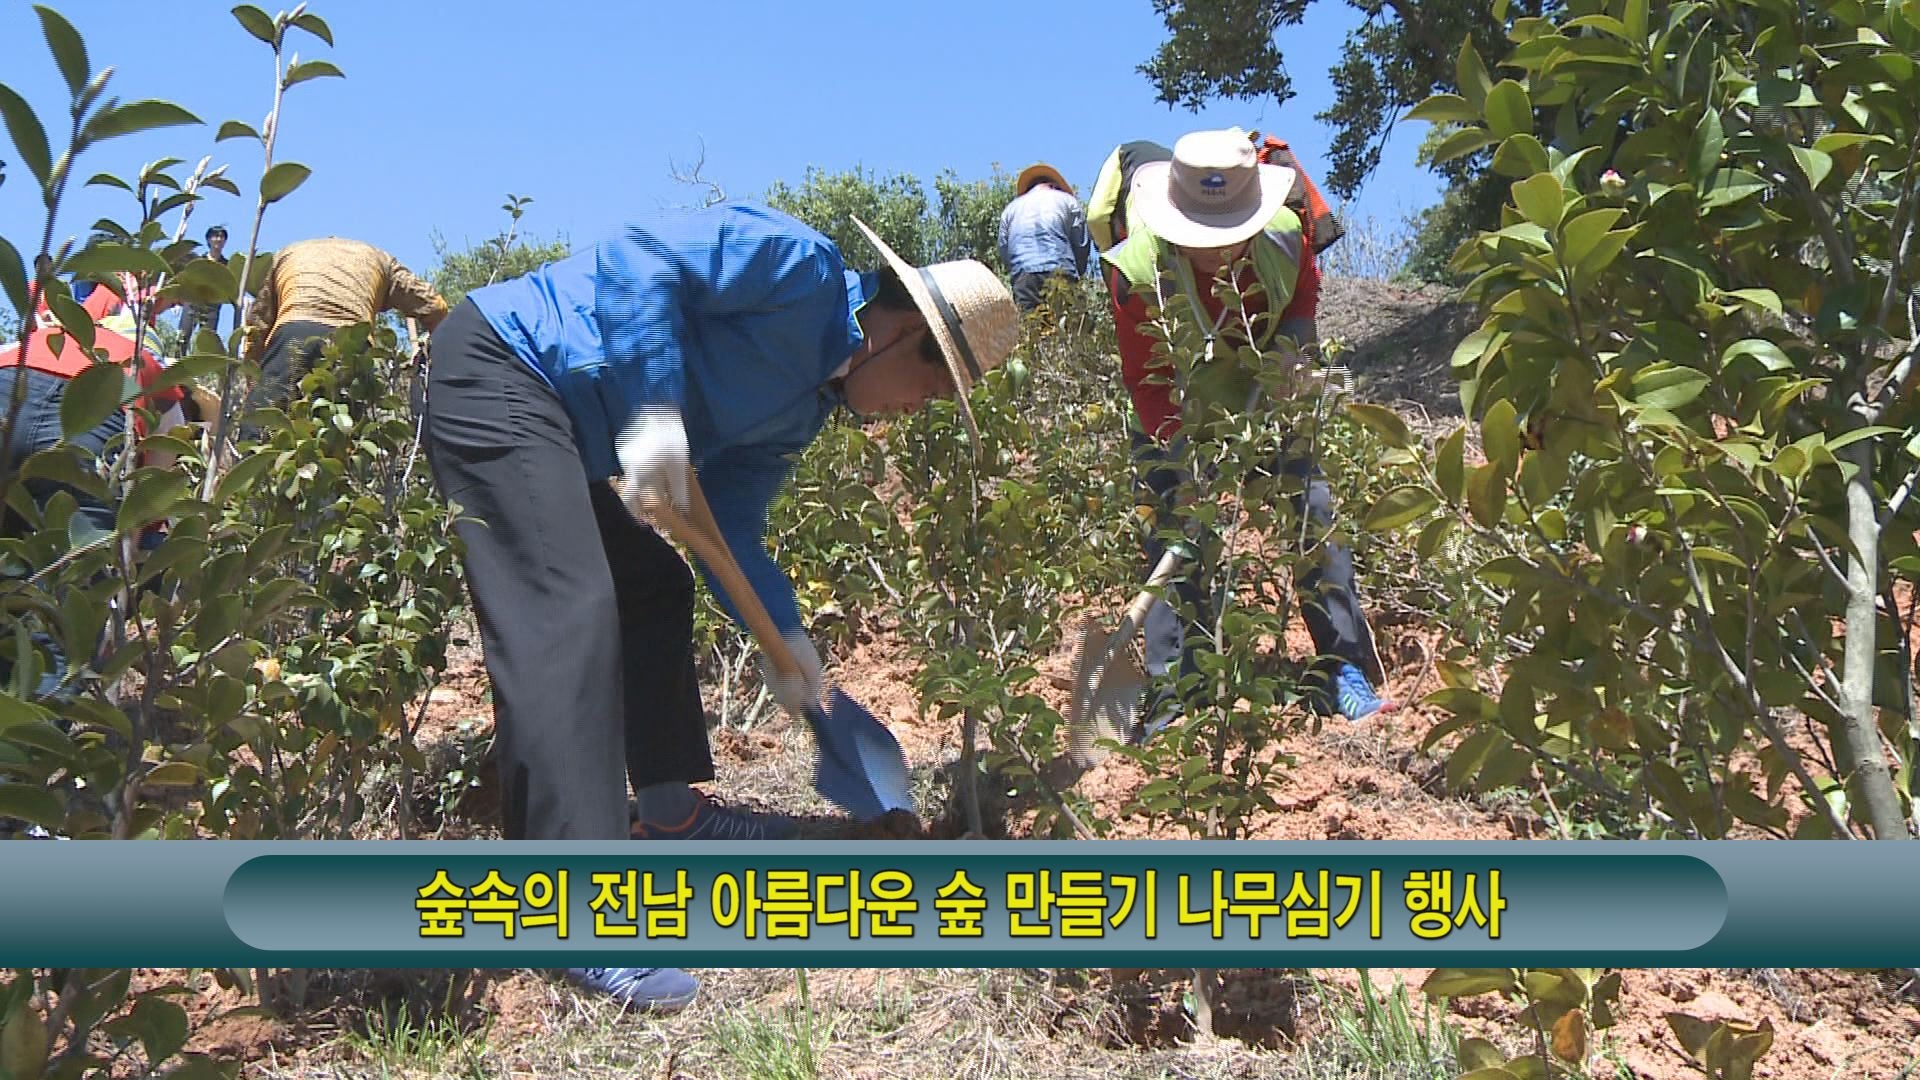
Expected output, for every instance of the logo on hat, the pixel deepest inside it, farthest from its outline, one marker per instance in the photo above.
(1213, 185)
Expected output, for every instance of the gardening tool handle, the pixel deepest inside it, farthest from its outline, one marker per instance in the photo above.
(702, 534)
(1162, 573)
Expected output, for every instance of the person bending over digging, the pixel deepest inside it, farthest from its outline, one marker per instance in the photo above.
(1188, 220)
(713, 342)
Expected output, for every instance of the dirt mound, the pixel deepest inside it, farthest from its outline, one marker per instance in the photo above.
(1402, 338)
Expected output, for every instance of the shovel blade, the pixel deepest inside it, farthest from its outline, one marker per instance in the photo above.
(858, 764)
(1108, 691)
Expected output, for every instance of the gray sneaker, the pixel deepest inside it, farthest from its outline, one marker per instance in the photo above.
(712, 821)
(659, 990)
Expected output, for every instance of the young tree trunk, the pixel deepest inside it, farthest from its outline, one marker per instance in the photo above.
(1857, 741)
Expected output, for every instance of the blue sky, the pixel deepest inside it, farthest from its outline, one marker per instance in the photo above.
(446, 107)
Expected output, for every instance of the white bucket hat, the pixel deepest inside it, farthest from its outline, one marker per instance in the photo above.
(969, 312)
(1213, 194)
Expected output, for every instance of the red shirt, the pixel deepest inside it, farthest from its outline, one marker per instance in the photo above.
(1153, 401)
(72, 360)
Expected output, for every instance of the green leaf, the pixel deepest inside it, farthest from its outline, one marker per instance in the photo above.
(91, 397)
(1451, 468)
(161, 1026)
(258, 23)
(139, 116)
(315, 25)
(1581, 234)
(15, 712)
(1709, 140)
(1764, 299)
(13, 277)
(1467, 982)
(1814, 163)
(1383, 422)
(1636, 21)
(1445, 109)
(172, 774)
(282, 179)
(1479, 1054)
(312, 69)
(234, 129)
(1667, 386)
(1730, 186)
(1434, 534)
(1401, 506)
(110, 180)
(29, 138)
(1461, 143)
(1541, 199)
(1487, 495)
(1835, 445)
(1500, 436)
(1776, 92)
(1521, 155)
(25, 802)
(1471, 76)
(1606, 24)
(105, 262)
(1509, 110)
(1835, 141)
(61, 465)
(152, 494)
(1605, 251)
(69, 51)
(1770, 356)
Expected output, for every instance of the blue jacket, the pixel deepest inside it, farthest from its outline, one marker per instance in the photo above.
(1043, 231)
(737, 315)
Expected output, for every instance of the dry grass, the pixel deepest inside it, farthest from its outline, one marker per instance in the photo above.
(867, 1025)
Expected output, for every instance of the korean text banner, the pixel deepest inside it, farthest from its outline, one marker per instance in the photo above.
(966, 904)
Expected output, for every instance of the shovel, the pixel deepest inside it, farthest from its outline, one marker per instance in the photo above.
(1107, 684)
(858, 764)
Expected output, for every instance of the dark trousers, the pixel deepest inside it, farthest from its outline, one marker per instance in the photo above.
(193, 319)
(586, 616)
(1329, 602)
(291, 352)
(37, 428)
(1028, 288)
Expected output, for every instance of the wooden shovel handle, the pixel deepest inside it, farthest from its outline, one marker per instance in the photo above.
(1162, 573)
(702, 534)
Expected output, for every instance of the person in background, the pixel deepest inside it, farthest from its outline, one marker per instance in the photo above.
(1211, 210)
(314, 288)
(714, 342)
(1043, 233)
(198, 316)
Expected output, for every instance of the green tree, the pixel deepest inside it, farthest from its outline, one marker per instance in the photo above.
(1399, 55)
(500, 258)
(962, 224)
(1695, 391)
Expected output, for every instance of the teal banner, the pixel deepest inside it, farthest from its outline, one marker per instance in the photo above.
(970, 904)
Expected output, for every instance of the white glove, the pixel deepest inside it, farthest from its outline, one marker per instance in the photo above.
(653, 456)
(797, 693)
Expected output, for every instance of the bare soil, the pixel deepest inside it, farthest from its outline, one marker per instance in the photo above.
(1345, 781)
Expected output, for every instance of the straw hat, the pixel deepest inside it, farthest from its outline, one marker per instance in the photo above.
(1037, 172)
(1214, 193)
(969, 312)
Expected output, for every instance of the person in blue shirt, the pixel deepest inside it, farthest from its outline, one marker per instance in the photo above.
(714, 342)
(1043, 232)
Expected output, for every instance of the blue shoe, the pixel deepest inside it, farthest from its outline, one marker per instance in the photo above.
(659, 990)
(1354, 697)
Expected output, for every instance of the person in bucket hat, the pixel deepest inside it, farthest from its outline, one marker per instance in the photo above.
(1211, 209)
(1043, 232)
(714, 341)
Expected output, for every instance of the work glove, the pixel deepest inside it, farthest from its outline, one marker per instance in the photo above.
(796, 694)
(653, 456)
